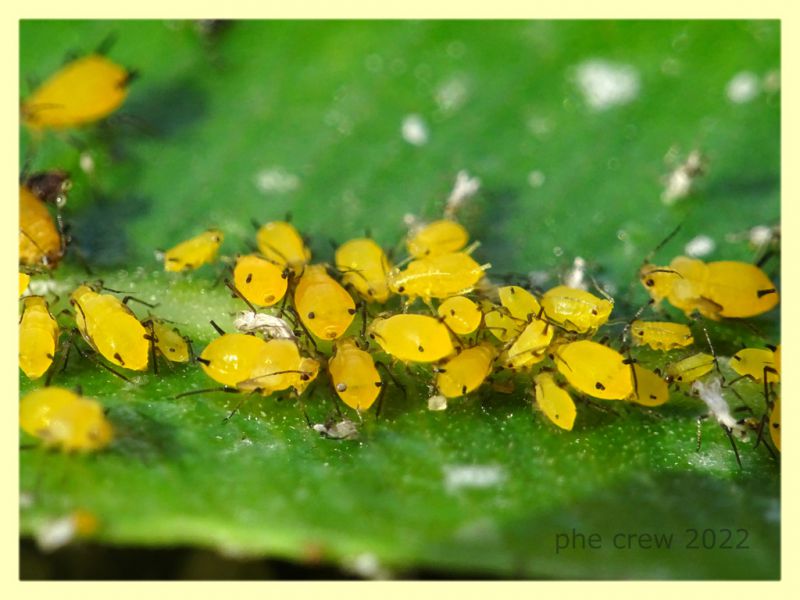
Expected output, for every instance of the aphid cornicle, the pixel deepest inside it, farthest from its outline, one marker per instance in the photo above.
(439, 237)
(261, 282)
(38, 337)
(460, 314)
(354, 376)
(575, 310)
(757, 364)
(84, 91)
(649, 389)
(661, 335)
(554, 401)
(595, 369)
(439, 276)
(412, 338)
(364, 266)
(690, 368)
(324, 306)
(463, 373)
(280, 242)
(41, 244)
(111, 328)
(194, 252)
(716, 289)
(65, 420)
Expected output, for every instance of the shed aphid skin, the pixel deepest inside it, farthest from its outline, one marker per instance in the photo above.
(594, 369)
(690, 369)
(38, 337)
(194, 252)
(529, 347)
(64, 420)
(576, 310)
(500, 323)
(111, 328)
(650, 389)
(364, 267)
(24, 280)
(464, 373)
(412, 338)
(554, 401)
(324, 306)
(717, 289)
(279, 242)
(661, 335)
(460, 314)
(260, 281)
(82, 92)
(439, 276)
(41, 241)
(711, 394)
(354, 375)
(438, 237)
(267, 325)
(758, 364)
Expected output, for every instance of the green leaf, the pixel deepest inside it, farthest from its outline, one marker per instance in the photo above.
(270, 117)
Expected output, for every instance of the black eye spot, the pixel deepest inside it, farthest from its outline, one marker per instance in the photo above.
(653, 397)
(378, 383)
(463, 389)
(640, 333)
(352, 311)
(401, 289)
(249, 278)
(649, 283)
(311, 315)
(452, 312)
(370, 292)
(421, 349)
(171, 349)
(599, 386)
(594, 311)
(372, 336)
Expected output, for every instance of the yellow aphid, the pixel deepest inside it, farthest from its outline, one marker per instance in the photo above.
(169, 341)
(111, 328)
(756, 363)
(576, 310)
(690, 368)
(439, 237)
(521, 304)
(64, 420)
(38, 337)
(261, 282)
(554, 401)
(649, 388)
(499, 321)
(466, 371)
(460, 314)
(775, 424)
(595, 369)
(84, 91)
(324, 306)
(195, 252)
(412, 338)
(280, 242)
(24, 280)
(279, 367)
(661, 335)
(40, 242)
(439, 276)
(716, 289)
(354, 376)
(232, 357)
(364, 266)
(530, 346)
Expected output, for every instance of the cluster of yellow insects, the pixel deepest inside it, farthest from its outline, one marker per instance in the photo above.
(350, 318)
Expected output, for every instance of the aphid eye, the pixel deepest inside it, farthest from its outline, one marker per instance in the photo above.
(171, 349)
(311, 315)
(453, 312)
(401, 289)
(594, 311)
(249, 278)
(649, 283)
(599, 386)
(640, 333)
(463, 389)
(372, 336)
(351, 311)
(421, 349)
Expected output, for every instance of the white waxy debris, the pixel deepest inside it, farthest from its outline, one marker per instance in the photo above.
(457, 477)
(437, 402)
(368, 566)
(605, 84)
(451, 95)
(743, 87)
(538, 278)
(680, 182)
(86, 163)
(700, 246)
(464, 188)
(268, 325)
(711, 394)
(575, 277)
(276, 180)
(337, 430)
(414, 130)
(56, 534)
(536, 179)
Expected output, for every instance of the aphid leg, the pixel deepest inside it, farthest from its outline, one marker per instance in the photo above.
(98, 362)
(226, 389)
(235, 408)
(217, 328)
(299, 322)
(237, 294)
(728, 432)
(152, 339)
(363, 306)
(627, 329)
(127, 299)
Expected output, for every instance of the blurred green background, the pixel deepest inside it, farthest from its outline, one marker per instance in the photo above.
(571, 127)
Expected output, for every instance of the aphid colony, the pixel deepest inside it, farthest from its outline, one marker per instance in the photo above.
(436, 311)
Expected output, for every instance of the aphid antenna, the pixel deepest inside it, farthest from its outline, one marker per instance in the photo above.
(298, 321)
(237, 294)
(106, 44)
(225, 389)
(663, 243)
(713, 353)
(128, 298)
